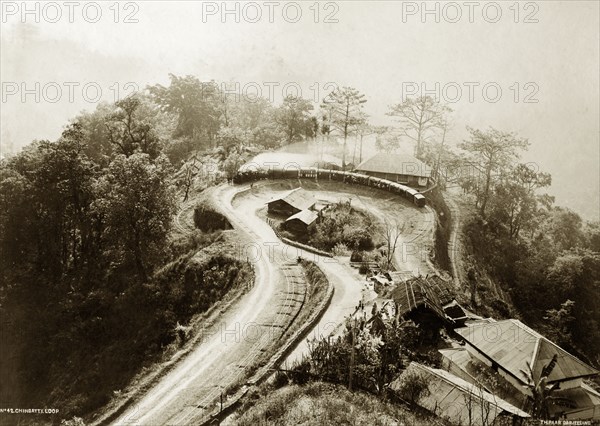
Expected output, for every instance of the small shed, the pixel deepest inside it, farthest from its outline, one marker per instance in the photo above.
(301, 222)
(457, 400)
(292, 202)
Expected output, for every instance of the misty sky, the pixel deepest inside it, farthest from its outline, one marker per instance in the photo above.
(372, 47)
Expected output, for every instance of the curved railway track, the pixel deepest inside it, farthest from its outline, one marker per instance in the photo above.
(207, 402)
(189, 394)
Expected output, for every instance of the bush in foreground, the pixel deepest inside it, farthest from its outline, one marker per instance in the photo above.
(319, 403)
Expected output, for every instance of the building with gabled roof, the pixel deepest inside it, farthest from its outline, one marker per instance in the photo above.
(461, 363)
(301, 221)
(457, 400)
(573, 403)
(401, 168)
(292, 202)
(507, 346)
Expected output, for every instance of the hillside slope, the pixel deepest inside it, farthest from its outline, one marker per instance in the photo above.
(319, 403)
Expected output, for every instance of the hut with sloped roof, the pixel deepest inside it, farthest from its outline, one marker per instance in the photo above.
(292, 202)
(419, 294)
(422, 299)
(401, 168)
(301, 222)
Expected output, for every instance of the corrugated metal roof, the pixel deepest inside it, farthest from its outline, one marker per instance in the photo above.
(398, 164)
(449, 394)
(429, 291)
(461, 363)
(511, 344)
(298, 198)
(459, 358)
(305, 216)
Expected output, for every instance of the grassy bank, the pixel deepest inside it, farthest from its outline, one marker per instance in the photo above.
(319, 403)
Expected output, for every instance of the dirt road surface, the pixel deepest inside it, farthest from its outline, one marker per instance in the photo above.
(350, 287)
(191, 390)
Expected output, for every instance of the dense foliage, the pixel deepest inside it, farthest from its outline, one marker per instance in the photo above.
(368, 355)
(208, 220)
(209, 114)
(342, 224)
(544, 256)
(79, 241)
(553, 276)
(92, 286)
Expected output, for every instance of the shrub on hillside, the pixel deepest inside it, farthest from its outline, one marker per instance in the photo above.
(340, 249)
(356, 256)
(342, 224)
(412, 387)
(357, 238)
(501, 307)
(208, 220)
(193, 241)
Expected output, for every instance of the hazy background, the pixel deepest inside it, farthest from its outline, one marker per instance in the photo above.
(370, 48)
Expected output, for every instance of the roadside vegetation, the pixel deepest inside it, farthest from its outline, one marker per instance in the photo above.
(319, 403)
(207, 219)
(368, 355)
(343, 224)
(347, 379)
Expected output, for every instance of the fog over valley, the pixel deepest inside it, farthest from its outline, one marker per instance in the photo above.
(548, 80)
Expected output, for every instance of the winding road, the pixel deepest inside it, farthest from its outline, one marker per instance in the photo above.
(231, 348)
(253, 325)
